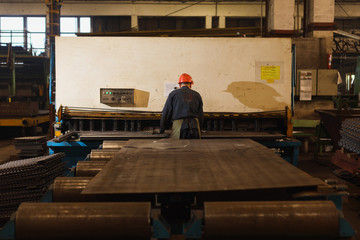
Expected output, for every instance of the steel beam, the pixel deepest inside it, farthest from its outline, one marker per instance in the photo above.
(83, 221)
(271, 220)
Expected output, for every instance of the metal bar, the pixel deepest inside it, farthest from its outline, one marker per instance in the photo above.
(89, 168)
(271, 220)
(256, 125)
(76, 124)
(68, 189)
(81, 125)
(103, 127)
(115, 125)
(347, 34)
(91, 125)
(221, 125)
(215, 125)
(138, 127)
(103, 154)
(208, 125)
(83, 221)
(233, 125)
(132, 125)
(13, 79)
(71, 112)
(126, 125)
(293, 74)
(113, 144)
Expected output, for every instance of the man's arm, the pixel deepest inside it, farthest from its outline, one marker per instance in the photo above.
(166, 114)
(201, 112)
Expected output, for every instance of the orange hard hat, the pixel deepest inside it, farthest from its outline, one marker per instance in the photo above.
(185, 78)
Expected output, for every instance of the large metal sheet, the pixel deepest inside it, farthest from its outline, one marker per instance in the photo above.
(159, 166)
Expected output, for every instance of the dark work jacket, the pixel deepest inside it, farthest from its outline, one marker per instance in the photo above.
(182, 103)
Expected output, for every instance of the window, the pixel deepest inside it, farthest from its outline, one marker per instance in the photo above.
(350, 78)
(12, 30)
(85, 25)
(69, 26)
(29, 32)
(36, 34)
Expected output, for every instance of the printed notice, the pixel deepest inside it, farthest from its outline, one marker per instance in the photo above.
(270, 73)
(169, 87)
(305, 85)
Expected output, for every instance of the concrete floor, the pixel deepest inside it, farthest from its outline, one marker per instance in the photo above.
(321, 168)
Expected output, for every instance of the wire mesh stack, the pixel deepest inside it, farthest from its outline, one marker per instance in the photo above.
(27, 180)
(350, 135)
(29, 147)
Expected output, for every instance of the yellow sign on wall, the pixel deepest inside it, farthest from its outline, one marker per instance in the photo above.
(270, 73)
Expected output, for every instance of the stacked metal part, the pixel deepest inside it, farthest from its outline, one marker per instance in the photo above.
(29, 147)
(26, 180)
(350, 135)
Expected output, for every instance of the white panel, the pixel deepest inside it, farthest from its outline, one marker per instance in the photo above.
(324, 11)
(241, 9)
(222, 22)
(282, 14)
(223, 70)
(208, 22)
(134, 22)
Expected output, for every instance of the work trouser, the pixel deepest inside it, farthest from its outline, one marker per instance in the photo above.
(177, 127)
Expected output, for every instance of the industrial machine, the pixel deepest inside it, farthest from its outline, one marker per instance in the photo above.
(188, 189)
(135, 184)
(23, 90)
(246, 86)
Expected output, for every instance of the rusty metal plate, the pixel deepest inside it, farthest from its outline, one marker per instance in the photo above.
(198, 166)
(103, 154)
(113, 144)
(158, 144)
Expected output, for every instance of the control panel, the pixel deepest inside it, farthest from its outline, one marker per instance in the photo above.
(117, 96)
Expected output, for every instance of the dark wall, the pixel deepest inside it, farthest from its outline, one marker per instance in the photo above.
(170, 23)
(310, 53)
(232, 22)
(111, 23)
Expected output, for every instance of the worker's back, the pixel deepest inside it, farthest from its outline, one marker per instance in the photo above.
(186, 103)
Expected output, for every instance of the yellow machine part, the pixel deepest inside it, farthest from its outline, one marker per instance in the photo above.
(24, 122)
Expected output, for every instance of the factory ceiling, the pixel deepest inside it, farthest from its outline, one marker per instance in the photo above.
(114, 1)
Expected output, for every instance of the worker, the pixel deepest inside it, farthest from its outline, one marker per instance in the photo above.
(184, 108)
